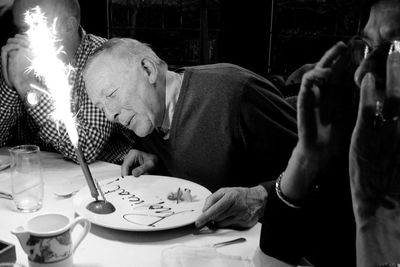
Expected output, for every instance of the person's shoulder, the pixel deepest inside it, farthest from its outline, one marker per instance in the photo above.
(218, 67)
(230, 76)
(222, 71)
(96, 41)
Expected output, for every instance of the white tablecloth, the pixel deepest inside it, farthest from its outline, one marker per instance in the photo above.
(108, 247)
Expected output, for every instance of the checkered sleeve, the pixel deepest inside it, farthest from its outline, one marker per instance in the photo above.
(93, 128)
(11, 107)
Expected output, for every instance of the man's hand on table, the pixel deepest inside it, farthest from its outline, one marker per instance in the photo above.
(15, 59)
(137, 162)
(236, 207)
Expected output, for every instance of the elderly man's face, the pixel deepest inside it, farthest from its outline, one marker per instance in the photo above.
(123, 91)
(383, 26)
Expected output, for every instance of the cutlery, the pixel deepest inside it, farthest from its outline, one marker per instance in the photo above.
(67, 195)
(4, 166)
(230, 242)
(209, 228)
(6, 195)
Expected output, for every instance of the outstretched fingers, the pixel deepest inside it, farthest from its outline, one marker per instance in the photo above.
(332, 55)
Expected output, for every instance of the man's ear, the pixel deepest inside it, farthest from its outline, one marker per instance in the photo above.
(150, 69)
(71, 25)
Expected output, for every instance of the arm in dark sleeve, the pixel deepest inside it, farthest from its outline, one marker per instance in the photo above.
(282, 232)
(267, 128)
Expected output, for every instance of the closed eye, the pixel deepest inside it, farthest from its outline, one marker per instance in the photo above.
(112, 93)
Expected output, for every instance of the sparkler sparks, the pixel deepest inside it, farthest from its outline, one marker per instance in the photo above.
(47, 65)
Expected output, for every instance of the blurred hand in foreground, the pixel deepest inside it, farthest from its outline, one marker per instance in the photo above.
(374, 167)
(375, 145)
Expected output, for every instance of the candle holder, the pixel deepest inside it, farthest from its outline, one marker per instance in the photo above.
(97, 206)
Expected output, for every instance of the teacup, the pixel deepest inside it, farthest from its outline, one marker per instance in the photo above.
(46, 239)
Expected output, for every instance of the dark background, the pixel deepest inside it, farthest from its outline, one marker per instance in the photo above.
(192, 32)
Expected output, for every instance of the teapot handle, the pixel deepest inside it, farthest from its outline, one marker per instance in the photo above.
(86, 227)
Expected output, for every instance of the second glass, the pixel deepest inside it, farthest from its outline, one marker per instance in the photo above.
(26, 178)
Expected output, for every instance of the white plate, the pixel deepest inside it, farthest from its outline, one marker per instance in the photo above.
(142, 204)
(5, 161)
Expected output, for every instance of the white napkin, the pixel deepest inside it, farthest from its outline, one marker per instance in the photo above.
(186, 256)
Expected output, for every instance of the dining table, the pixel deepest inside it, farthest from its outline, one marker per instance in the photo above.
(111, 247)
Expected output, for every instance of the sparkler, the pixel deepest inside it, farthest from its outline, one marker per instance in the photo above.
(54, 74)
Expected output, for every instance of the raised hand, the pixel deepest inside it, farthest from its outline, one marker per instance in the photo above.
(15, 59)
(325, 118)
(325, 97)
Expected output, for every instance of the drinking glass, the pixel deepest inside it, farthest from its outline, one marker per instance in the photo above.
(26, 178)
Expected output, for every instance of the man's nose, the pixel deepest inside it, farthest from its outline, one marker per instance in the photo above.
(375, 63)
(111, 115)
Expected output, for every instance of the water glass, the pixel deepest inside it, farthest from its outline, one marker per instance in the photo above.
(26, 178)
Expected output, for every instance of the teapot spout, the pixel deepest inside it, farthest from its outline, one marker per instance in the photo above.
(22, 236)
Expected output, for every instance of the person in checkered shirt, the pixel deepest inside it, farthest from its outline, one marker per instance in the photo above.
(21, 122)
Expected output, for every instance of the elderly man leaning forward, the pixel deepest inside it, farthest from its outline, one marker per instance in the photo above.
(24, 123)
(216, 125)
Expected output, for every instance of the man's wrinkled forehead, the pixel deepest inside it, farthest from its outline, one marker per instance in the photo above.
(97, 73)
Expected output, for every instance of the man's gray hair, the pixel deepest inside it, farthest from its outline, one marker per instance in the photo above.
(129, 49)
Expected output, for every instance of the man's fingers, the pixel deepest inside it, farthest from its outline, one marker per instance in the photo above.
(129, 162)
(146, 167)
(315, 77)
(308, 100)
(220, 208)
(9, 47)
(138, 171)
(212, 199)
(216, 212)
(125, 170)
(19, 39)
(332, 55)
(7, 51)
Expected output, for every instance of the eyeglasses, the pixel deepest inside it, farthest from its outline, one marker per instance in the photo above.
(360, 49)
